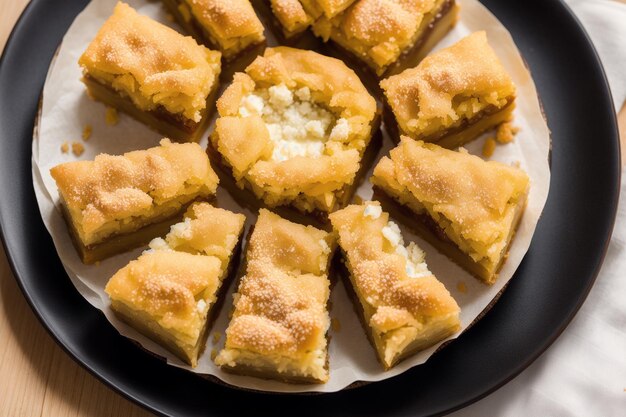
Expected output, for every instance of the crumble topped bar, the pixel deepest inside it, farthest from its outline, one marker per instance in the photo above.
(169, 293)
(280, 320)
(450, 91)
(118, 195)
(459, 198)
(294, 127)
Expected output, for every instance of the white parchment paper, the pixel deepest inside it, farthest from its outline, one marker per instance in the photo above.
(66, 110)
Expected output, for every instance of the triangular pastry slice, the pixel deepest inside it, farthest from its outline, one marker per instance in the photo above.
(404, 307)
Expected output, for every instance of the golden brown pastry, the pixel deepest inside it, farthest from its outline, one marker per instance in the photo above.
(153, 73)
(385, 33)
(116, 203)
(280, 319)
(452, 96)
(404, 307)
(230, 26)
(297, 15)
(466, 207)
(294, 129)
(170, 292)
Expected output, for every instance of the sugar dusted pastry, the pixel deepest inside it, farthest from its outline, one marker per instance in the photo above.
(115, 203)
(294, 129)
(389, 33)
(280, 319)
(297, 15)
(230, 26)
(466, 207)
(404, 307)
(170, 293)
(153, 73)
(452, 96)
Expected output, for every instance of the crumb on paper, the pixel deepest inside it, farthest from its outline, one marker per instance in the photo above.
(77, 148)
(461, 287)
(506, 132)
(97, 263)
(489, 147)
(516, 164)
(65, 147)
(216, 337)
(87, 132)
(110, 117)
(335, 324)
(213, 354)
(463, 150)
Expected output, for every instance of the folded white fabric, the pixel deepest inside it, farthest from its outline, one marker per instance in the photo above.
(584, 372)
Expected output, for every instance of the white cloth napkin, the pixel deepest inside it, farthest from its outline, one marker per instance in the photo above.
(584, 372)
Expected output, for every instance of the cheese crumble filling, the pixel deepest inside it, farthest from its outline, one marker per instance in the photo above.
(415, 258)
(297, 125)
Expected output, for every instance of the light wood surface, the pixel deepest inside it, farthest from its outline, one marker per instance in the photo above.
(36, 377)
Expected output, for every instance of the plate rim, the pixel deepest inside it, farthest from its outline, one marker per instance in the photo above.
(21, 26)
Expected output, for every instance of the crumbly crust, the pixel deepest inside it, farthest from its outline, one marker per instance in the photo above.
(448, 87)
(152, 64)
(398, 307)
(280, 308)
(291, 15)
(244, 141)
(473, 201)
(378, 31)
(232, 24)
(104, 194)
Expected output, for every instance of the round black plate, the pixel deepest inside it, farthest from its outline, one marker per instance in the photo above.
(549, 286)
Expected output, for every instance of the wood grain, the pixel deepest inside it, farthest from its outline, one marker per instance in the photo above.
(37, 377)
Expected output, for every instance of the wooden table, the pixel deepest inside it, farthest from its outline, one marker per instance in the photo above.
(37, 377)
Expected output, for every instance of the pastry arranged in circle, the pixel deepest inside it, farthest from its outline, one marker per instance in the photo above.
(280, 320)
(452, 96)
(294, 129)
(388, 35)
(115, 203)
(230, 26)
(403, 307)
(170, 293)
(152, 73)
(466, 207)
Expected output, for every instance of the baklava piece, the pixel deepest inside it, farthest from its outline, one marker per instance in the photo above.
(280, 320)
(230, 26)
(171, 292)
(294, 129)
(466, 207)
(452, 96)
(389, 35)
(116, 203)
(404, 308)
(152, 73)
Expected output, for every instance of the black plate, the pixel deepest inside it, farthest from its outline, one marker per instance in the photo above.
(548, 288)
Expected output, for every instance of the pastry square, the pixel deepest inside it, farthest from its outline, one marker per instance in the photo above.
(452, 96)
(295, 16)
(294, 129)
(116, 203)
(171, 292)
(389, 35)
(467, 208)
(152, 73)
(280, 320)
(230, 26)
(404, 308)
